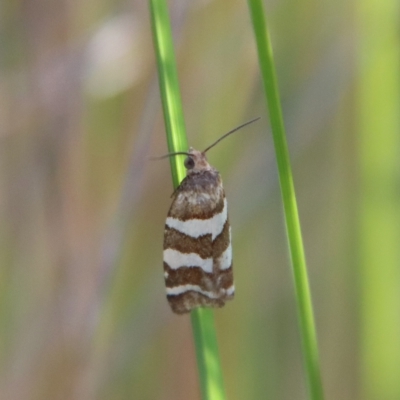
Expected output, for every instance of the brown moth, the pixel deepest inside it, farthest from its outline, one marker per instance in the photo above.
(197, 238)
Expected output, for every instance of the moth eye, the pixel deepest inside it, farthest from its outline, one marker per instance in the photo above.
(189, 163)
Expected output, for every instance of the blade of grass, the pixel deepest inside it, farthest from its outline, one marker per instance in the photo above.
(169, 87)
(211, 380)
(299, 268)
(210, 373)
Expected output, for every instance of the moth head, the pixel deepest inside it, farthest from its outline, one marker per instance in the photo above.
(196, 161)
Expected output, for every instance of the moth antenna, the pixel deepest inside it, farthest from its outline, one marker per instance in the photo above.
(170, 155)
(233, 130)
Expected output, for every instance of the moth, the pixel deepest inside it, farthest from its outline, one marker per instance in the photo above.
(197, 237)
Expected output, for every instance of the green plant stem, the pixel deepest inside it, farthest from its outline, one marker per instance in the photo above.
(303, 295)
(205, 338)
(169, 87)
(211, 380)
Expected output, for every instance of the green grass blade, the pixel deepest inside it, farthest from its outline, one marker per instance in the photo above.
(211, 380)
(169, 87)
(303, 295)
(205, 339)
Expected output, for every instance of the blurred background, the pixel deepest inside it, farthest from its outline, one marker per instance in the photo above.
(83, 313)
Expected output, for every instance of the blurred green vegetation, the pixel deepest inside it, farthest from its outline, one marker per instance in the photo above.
(82, 308)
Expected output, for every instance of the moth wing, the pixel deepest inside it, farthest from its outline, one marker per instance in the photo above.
(222, 257)
(188, 258)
